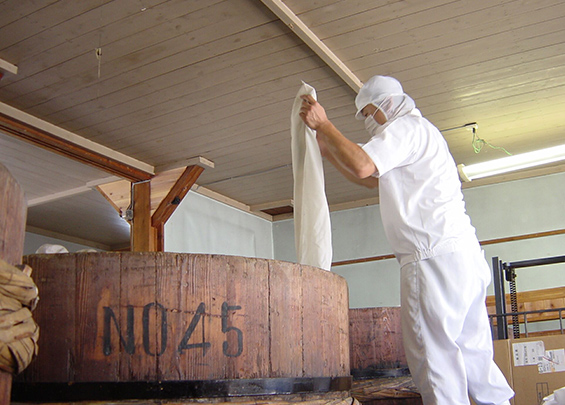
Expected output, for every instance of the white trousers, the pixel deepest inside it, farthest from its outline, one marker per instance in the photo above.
(446, 333)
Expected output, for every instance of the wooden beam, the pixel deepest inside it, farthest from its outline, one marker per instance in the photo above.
(271, 204)
(8, 67)
(141, 232)
(68, 144)
(159, 238)
(305, 34)
(197, 160)
(176, 194)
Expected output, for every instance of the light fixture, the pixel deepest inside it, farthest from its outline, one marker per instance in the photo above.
(511, 163)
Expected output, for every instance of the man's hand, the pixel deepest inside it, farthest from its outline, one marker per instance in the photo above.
(312, 112)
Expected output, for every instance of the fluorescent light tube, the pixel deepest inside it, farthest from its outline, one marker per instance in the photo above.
(511, 163)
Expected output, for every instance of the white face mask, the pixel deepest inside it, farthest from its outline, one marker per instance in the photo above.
(371, 124)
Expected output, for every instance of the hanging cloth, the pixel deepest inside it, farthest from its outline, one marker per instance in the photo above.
(312, 228)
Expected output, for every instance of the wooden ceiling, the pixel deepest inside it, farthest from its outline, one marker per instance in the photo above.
(160, 82)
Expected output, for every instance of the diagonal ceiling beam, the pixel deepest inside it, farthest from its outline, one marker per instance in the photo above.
(305, 34)
(56, 139)
(176, 194)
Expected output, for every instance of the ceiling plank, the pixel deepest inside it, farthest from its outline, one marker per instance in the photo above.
(58, 140)
(305, 34)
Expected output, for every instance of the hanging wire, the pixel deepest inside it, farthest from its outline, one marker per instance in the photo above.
(477, 142)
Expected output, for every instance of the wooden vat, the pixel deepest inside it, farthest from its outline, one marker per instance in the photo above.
(376, 343)
(378, 361)
(13, 212)
(165, 325)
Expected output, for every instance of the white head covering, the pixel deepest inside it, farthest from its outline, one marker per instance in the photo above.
(51, 249)
(386, 92)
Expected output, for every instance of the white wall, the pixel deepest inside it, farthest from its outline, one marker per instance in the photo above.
(33, 241)
(497, 211)
(202, 225)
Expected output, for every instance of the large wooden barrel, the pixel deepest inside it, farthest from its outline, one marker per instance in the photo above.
(13, 213)
(376, 343)
(165, 325)
(378, 360)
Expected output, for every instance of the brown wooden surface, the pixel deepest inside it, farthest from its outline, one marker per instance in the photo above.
(57, 281)
(176, 194)
(535, 300)
(258, 318)
(13, 210)
(141, 233)
(375, 339)
(375, 349)
(384, 388)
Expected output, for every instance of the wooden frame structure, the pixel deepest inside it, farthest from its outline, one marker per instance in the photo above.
(147, 231)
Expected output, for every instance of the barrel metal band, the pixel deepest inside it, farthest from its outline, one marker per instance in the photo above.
(103, 391)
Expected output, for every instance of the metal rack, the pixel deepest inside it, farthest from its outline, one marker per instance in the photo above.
(507, 271)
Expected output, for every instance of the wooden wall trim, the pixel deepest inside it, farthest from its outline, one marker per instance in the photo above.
(483, 243)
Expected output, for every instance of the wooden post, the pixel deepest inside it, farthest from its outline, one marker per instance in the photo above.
(13, 212)
(141, 234)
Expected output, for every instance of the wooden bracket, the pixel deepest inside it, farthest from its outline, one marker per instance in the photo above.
(166, 191)
(176, 195)
(170, 203)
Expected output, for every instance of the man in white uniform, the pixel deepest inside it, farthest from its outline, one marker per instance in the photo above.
(444, 274)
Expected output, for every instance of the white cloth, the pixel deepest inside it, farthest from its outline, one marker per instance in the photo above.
(312, 229)
(445, 329)
(421, 203)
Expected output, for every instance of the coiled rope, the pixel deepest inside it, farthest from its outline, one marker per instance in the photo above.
(18, 331)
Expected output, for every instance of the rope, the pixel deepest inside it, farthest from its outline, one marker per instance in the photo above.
(18, 331)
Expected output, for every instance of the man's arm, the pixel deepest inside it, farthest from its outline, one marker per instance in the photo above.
(348, 157)
(369, 182)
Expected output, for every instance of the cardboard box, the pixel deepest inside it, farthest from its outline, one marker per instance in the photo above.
(534, 367)
(538, 367)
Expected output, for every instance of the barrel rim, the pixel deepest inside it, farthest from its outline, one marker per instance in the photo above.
(134, 390)
(184, 254)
